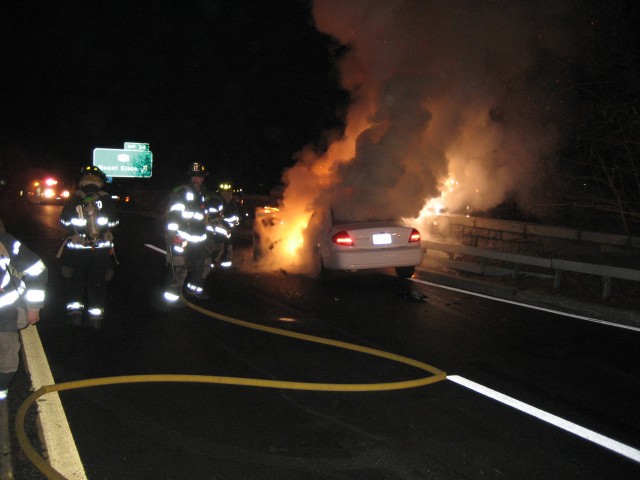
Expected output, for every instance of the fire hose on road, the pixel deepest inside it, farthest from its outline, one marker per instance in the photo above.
(436, 375)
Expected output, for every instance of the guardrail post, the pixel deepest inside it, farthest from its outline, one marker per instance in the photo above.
(516, 271)
(606, 287)
(483, 265)
(557, 280)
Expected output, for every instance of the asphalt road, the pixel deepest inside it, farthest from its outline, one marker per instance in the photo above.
(582, 372)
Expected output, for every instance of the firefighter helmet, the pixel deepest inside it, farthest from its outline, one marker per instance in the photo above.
(92, 173)
(198, 170)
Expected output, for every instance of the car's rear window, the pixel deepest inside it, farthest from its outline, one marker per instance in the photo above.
(341, 221)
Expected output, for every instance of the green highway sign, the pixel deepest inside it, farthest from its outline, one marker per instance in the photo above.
(114, 162)
(144, 147)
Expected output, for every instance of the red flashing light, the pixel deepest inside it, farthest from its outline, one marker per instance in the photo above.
(415, 236)
(343, 238)
(50, 182)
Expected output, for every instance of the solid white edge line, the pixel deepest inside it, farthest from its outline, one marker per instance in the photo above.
(56, 434)
(526, 305)
(570, 427)
(157, 249)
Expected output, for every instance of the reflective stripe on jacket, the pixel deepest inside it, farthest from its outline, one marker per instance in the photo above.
(23, 276)
(185, 214)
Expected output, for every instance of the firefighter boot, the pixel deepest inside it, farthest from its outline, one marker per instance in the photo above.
(95, 318)
(193, 290)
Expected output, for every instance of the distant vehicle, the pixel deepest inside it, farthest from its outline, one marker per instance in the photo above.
(354, 246)
(46, 190)
(120, 194)
(349, 246)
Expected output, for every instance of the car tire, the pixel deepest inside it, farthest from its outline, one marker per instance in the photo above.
(405, 272)
(324, 272)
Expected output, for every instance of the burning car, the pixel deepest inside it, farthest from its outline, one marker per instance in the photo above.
(350, 246)
(341, 244)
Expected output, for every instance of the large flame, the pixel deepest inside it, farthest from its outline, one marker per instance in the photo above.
(451, 111)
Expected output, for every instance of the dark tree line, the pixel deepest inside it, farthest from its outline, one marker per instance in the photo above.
(604, 166)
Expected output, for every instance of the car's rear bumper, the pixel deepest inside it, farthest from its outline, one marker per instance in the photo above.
(361, 259)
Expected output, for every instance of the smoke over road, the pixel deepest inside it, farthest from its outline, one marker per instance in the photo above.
(455, 105)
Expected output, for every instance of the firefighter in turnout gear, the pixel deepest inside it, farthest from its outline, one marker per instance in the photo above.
(228, 219)
(217, 231)
(23, 276)
(185, 232)
(87, 253)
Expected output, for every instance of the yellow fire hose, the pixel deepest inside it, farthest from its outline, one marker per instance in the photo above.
(42, 465)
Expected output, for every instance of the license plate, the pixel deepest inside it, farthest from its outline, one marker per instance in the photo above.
(381, 238)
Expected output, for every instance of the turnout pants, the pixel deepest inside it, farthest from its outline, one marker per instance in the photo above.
(192, 267)
(85, 273)
(9, 345)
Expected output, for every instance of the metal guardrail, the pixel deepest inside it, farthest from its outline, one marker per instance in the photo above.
(534, 229)
(558, 266)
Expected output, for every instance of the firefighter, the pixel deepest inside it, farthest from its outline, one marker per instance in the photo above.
(185, 234)
(23, 276)
(230, 218)
(217, 230)
(87, 253)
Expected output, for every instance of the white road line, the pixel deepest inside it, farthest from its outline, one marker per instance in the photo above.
(589, 435)
(61, 448)
(526, 305)
(157, 249)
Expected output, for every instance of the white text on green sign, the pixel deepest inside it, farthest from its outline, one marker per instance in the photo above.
(123, 163)
(144, 147)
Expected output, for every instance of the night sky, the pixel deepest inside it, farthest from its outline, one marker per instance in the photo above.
(245, 86)
(238, 85)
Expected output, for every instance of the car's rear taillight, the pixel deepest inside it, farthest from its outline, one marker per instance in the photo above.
(342, 238)
(415, 236)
